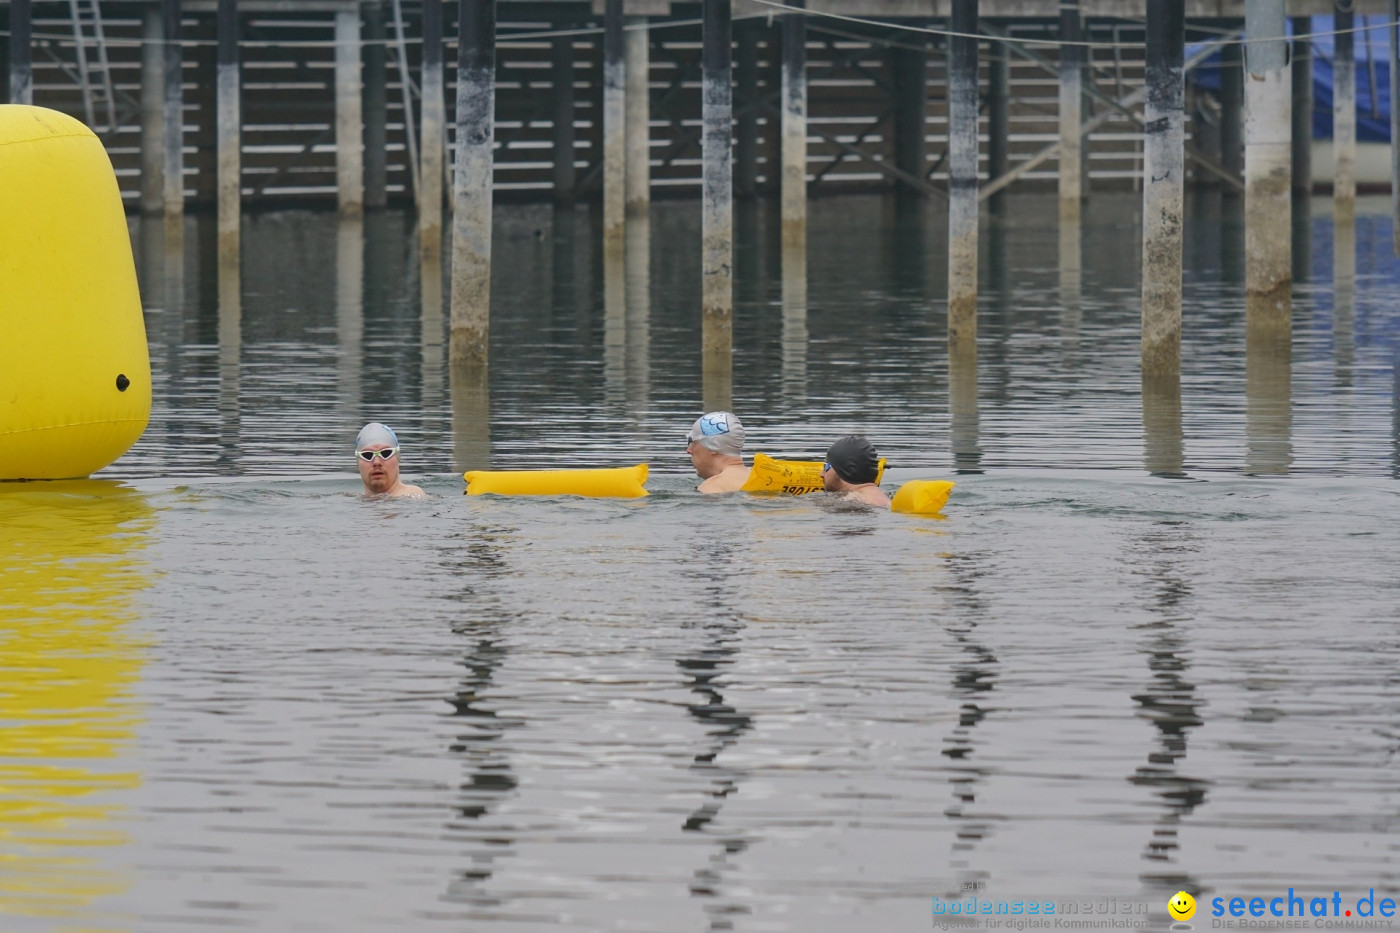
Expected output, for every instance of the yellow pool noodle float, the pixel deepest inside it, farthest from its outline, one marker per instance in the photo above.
(922, 496)
(613, 483)
(790, 476)
(75, 374)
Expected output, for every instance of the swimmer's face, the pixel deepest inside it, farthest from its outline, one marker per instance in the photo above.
(702, 458)
(379, 475)
(829, 478)
(1182, 906)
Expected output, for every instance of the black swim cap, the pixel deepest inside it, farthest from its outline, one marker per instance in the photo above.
(854, 459)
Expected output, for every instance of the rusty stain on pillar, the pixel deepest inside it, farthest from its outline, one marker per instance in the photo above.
(471, 188)
(962, 177)
(717, 208)
(433, 139)
(1268, 175)
(614, 134)
(794, 135)
(1164, 166)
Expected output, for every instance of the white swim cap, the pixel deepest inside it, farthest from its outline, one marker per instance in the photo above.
(719, 431)
(375, 433)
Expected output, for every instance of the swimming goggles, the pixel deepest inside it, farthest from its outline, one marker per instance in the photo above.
(368, 455)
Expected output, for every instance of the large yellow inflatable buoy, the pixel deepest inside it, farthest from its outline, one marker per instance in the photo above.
(75, 374)
(790, 476)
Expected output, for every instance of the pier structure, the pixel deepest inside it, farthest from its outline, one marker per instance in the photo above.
(240, 105)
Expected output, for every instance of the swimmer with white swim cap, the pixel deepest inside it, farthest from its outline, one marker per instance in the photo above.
(852, 466)
(377, 456)
(716, 447)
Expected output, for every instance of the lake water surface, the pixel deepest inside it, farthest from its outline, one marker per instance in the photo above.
(1145, 648)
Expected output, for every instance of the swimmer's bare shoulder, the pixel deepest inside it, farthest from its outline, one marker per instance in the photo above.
(407, 491)
(730, 479)
(869, 495)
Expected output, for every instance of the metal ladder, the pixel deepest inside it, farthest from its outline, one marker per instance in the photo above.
(95, 77)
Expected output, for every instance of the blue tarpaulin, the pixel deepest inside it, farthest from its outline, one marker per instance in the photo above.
(1372, 123)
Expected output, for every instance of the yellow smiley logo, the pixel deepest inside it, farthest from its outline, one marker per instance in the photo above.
(1182, 906)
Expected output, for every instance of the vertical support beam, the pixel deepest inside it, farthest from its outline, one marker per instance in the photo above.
(1302, 107)
(1268, 176)
(562, 77)
(21, 60)
(1232, 108)
(638, 65)
(1071, 111)
(746, 141)
(910, 73)
(717, 193)
(1395, 123)
(376, 107)
(471, 189)
(1164, 161)
(433, 141)
(229, 131)
(152, 110)
(349, 123)
(173, 107)
(794, 131)
(1344, 118)
(614, 132)
(998, 97)
(962, 178)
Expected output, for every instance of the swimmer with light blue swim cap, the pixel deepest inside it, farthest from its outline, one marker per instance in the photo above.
(377, 456)
(716, 447)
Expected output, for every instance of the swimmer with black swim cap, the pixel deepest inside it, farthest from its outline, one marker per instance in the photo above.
(716, 447)
(377, 455)
(852, 466)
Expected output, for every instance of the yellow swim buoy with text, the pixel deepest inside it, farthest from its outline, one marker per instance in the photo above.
(75, 374)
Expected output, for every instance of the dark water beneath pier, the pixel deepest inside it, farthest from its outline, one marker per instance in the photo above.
(1140, 652)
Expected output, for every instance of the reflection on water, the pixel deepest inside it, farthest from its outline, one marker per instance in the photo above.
(1168, 700)
(73, 569)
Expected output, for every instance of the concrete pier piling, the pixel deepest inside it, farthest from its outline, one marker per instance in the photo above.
(1344, 119)
(1302, 107)
(637, 42)
(794, 138)
(21, 56)
(349, 119)
(376, 108)
(433, 139)
(998, 124)
(1268, 174)
(1071, 112)
(1232, 109)
(717, 207)
(152, 110)
(562, 78)
(1164, 166)
(471, 189)
(909, 67)
(1395, 122)
(746, 117)
(614, 135)
(228, 132)
(172, 104)
(962, 177)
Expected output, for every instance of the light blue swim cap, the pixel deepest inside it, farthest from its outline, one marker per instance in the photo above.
(375, 433)
(719, 431)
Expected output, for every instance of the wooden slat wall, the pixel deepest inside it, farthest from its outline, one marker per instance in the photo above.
(288, 109)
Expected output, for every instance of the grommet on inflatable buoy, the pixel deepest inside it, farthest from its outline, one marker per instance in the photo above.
(75, 374)
(922, 496)
(616, 483)
(790, 476)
